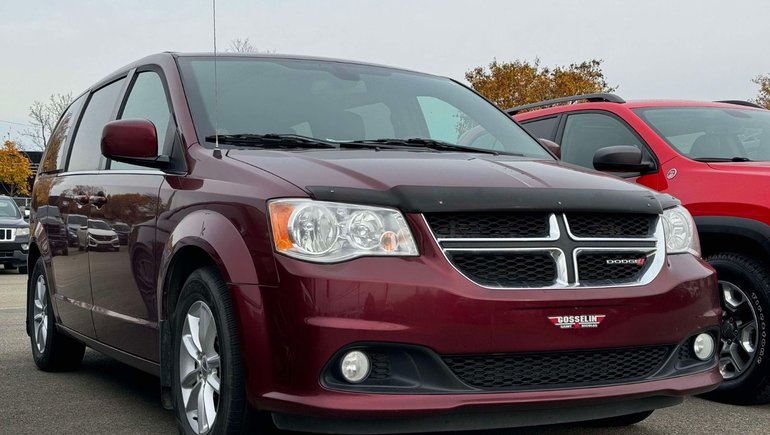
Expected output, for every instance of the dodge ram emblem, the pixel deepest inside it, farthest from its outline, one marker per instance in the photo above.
(575, 322)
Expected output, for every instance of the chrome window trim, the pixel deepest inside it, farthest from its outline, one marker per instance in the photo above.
(112, 172)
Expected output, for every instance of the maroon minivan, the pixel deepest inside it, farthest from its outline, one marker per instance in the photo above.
(306, 240)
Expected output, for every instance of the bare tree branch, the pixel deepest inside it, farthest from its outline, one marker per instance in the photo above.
(44, 116)
(239, 45)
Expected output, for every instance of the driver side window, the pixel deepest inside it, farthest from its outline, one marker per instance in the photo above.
(586, 133)
(147, 100)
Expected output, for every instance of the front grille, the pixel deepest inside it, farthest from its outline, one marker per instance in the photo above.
(535, 250)
(531, 371)
(6, 254)
(506, 269)
(488, 225)
(611, 225)
(6, 234)
(102, 238)
(610, 267)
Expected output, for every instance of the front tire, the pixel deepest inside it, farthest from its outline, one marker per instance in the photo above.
(207, 382)
(744, 285)
(51, 350)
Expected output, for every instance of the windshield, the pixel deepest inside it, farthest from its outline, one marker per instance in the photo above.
(76, 220)
(99, 225)
(8, 209)
(704, 133)
(342, 102)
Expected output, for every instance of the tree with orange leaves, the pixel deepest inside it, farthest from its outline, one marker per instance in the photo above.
(15, 170)
(509, 84)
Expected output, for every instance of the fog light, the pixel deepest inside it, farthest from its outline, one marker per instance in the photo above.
(355, 366)
(24, 247)
(703, 346)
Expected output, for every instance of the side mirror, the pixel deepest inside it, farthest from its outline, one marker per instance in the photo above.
(621, 158)
(133, 141)
(551, 146)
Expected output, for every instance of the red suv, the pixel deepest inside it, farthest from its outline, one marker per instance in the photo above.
(305, 238)
(715, 158)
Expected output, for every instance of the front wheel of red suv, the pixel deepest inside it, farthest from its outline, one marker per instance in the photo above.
(208, 384)
(744, 286)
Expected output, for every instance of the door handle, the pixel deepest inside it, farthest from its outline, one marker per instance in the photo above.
(98, 200)
(80, 199)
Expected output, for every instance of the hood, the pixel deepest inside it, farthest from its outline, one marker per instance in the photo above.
(431, 181)
(98, 232)
(13, 222)
(759, 168)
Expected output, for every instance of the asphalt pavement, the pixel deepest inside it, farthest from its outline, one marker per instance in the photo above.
(106, 397)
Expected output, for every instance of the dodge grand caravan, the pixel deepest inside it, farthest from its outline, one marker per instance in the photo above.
(307, 241)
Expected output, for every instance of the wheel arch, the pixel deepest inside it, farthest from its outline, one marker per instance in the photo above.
(202, 238)
(734, 234)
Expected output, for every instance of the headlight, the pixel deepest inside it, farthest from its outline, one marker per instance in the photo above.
(22, 231)
(680, 232)
(328, 232)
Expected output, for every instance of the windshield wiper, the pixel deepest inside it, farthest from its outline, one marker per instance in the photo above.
(424, 143)
(272, 140)
(722, 159)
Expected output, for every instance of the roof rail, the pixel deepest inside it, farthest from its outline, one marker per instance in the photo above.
(609, 98)
(741, 103)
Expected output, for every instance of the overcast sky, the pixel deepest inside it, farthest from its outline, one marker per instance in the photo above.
(690, 49)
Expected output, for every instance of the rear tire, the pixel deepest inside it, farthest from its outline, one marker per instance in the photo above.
(52, 351)
(744, 285)
(207, 375)
(621, 420)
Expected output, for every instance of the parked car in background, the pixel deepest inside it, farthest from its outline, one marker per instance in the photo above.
(123, 231)
(56, 238)
(74, 223)
(97, 234)
(330, 256)
(714, 157)
(14, 236)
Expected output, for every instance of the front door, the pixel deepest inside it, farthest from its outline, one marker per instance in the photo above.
(125, 206)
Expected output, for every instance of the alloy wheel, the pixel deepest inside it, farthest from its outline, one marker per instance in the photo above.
(40, 314)
(199, 367)
(739, 331)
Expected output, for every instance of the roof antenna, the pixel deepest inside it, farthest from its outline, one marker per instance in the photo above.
(217, 151)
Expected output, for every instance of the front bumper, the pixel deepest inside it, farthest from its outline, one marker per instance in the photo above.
(379, 414)
(12, 254)
(292, 333)
(103, 244)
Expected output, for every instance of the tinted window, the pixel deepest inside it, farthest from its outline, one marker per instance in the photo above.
(147, 100)
(585, 133)
(86, 147)
(55, 151)
(339, 101)
(713, 133)
(542, 128)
